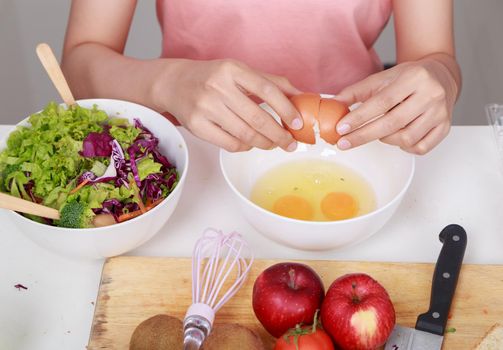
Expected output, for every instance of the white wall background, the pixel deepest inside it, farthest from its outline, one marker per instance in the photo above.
(24, 87)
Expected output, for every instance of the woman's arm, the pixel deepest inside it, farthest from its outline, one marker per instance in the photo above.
(409, 105)
(210, 98)
(93, 58)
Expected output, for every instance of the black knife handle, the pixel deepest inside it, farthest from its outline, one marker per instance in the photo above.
(444, 281)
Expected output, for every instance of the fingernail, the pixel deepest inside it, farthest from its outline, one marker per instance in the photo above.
(343, 144)
(343, 128)
(297, 124)
(292, 147)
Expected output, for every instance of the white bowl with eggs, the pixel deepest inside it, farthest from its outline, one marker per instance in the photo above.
(103, 242)
(381, 172)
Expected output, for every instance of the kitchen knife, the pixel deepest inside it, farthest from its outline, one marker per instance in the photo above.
(429, 331)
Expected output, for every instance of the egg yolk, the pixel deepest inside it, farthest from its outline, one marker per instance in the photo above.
(339, 206)
(294, 207)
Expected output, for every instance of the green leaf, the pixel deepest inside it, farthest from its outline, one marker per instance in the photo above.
(124, 135)
(147, 166)
(118, 122)
(98, 168)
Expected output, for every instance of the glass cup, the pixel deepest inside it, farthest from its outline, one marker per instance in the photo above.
(494, 114)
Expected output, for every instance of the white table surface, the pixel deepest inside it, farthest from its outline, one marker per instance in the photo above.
(458, 182)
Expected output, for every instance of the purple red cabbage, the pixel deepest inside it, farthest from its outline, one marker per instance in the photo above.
(134, 168)
(149, 143)
(97, 144)
(116, 208)
(151, 185)
(110, 206)
(138, 124)
(29, 188)
(151, 188)
(158, 157)
(19, 286)
(131, 206)
(117, 155)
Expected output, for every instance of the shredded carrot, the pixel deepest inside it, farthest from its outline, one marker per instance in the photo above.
(82, 184)
(129, 216)
(141, 205)
(133, 214)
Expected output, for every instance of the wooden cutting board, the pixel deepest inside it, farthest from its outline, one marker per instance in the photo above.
(135, 288)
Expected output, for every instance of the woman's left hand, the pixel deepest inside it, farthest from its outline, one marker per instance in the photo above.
(409, 105)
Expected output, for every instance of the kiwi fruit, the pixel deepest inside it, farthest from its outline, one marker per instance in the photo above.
(160, 332)
(232, 337)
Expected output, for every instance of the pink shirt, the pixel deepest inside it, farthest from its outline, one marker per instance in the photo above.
(320, 45)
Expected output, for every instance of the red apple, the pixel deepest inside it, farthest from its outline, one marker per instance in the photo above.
(357, 312)
(285, 295)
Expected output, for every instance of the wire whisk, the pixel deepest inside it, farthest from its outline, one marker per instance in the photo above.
(219, 269)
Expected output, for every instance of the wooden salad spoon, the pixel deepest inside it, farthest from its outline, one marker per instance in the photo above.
(51, 65)
(27, 207)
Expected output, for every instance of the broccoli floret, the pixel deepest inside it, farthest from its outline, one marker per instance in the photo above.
(76, 215)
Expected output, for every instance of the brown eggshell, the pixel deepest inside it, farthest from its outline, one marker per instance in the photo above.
(331, 111)
(308, 105)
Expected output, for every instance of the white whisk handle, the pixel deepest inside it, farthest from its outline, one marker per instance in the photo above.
(203, 310)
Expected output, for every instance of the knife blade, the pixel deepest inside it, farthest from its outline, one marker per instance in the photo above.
(428, 333)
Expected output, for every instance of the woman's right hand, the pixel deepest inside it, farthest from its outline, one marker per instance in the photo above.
(212, 100)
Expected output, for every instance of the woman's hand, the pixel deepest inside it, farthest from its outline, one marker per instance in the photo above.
(409, 105)
(212, 100)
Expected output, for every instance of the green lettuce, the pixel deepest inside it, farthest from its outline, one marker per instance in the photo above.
(147, 166)
(47, 152)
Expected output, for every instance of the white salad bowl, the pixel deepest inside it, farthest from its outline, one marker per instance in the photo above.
(102, 242)
(387, 169)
